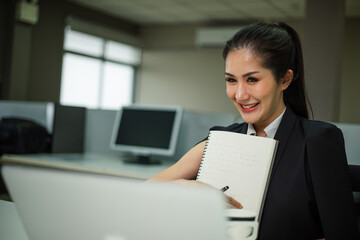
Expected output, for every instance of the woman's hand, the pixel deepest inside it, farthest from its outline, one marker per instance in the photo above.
(230, 200)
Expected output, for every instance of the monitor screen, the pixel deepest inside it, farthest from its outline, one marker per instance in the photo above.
(147, 130)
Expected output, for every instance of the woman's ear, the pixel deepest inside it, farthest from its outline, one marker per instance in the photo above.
(287, 79)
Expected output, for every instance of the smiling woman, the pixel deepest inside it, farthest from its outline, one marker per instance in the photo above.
(253, 89)
(309, 194)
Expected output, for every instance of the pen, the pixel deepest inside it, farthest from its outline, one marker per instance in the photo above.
(224, 188)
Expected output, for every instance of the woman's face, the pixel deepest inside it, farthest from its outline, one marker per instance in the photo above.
(253, 88)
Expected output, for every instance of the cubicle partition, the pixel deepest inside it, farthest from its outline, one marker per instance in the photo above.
(65, 124)
(76, 129)
(39, 112)
(194, 128)
(351, 134)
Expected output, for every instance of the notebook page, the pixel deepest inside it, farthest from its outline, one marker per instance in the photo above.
(241, 162)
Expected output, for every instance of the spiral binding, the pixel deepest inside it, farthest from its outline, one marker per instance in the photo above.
(203, 156)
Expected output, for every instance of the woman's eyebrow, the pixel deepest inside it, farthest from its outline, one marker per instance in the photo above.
(244, 75)
(249, 73)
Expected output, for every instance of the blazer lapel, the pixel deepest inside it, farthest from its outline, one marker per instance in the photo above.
(243, 128)
(282, 135)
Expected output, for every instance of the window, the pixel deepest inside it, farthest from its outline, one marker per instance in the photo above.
(97, 73)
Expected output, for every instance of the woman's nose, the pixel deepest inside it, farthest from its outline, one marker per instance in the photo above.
(241, 93)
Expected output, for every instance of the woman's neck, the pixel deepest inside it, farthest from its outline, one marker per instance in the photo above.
(260, 128)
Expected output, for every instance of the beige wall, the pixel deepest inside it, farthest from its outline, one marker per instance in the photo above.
(192, 78)
(350, 78)
(175, 71)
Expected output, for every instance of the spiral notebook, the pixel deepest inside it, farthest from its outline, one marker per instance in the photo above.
(242, 162)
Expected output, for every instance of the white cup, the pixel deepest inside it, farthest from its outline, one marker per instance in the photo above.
(242, 230)
(241, 224)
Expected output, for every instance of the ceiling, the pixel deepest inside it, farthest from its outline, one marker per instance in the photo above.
(165, 12)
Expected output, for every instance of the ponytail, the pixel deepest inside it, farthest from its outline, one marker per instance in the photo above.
(295, 95)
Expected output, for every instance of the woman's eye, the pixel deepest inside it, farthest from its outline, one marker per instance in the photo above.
(230, 80)
(250, 79)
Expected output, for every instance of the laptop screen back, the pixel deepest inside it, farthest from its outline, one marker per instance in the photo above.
(55, 204)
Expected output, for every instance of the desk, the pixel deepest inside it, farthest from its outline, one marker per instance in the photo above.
(11, 226)
(87, 162)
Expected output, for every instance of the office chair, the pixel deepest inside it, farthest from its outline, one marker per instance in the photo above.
(354, 171)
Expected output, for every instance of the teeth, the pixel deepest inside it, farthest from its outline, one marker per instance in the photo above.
(249, 106)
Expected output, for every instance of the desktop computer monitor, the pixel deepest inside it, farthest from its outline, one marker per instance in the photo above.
(146, 130)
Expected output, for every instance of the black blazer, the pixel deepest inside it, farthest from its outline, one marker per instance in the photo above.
(309, 194)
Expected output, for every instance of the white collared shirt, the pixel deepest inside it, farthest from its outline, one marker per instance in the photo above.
(270, 130)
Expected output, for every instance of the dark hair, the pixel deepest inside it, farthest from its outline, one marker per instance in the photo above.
(278, 46)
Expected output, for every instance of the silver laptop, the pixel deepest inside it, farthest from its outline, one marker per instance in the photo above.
(65, 205)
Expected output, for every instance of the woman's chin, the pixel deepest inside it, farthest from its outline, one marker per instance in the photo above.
(249, 117)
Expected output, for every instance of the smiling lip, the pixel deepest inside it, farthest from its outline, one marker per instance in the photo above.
(248, 107)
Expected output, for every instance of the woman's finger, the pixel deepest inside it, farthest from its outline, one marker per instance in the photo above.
(233, 202)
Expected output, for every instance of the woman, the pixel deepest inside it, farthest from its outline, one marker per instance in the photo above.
(309, 194)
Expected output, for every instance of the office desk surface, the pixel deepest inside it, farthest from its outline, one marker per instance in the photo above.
(87, 162)
(11, 226)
